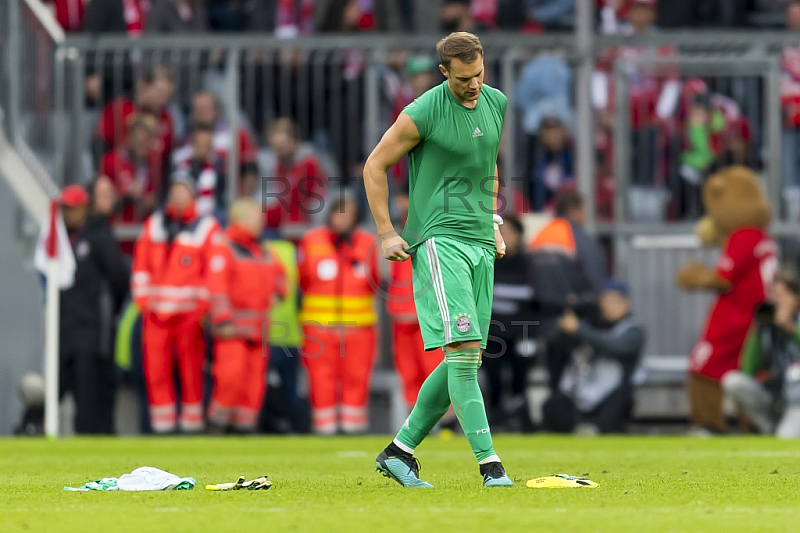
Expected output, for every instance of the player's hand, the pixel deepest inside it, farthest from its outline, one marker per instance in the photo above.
(392, 246)
(499, 245)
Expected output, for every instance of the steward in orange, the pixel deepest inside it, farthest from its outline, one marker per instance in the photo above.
(412, 362)
(338, 273)
(169, 286)
(243, 282)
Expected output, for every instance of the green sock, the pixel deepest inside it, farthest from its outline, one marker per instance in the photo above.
(465, 394)
(432, 403)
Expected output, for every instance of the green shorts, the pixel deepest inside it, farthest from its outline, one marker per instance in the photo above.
(453, 283)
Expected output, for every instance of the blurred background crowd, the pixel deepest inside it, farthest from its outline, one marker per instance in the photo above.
(179, 147)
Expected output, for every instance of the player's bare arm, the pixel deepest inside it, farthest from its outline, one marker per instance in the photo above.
(396, 142)
(499, 243)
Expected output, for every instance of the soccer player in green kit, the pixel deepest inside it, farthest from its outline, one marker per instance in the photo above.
(451, 135)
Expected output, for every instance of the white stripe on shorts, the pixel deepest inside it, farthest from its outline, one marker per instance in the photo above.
(438, 286)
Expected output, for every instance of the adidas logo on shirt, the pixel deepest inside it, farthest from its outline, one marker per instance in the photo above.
(477, 133)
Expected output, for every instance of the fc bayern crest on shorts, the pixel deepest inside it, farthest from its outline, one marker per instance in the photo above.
(463, 324)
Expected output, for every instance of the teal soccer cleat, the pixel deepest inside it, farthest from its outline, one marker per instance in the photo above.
(494, 475)
(403, 469)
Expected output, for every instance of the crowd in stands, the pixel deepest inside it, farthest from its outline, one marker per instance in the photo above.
(289, 18)
(682, 128)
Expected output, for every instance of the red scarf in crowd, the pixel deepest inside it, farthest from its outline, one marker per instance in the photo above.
(135, 12)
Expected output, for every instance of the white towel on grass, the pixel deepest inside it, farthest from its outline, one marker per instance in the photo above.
(143, 478)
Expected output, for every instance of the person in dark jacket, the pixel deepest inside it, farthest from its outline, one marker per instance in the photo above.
(177, 16)
(596, 392)
(568, 270)
(511, 347)
(100, 285)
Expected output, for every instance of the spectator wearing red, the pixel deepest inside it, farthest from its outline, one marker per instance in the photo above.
(294, 186)
(104, 70)
(284, 18)
(354, 15)
(135, 172)
(170, 288)
(653, 98)
(153, 93)
(206, 168)
(68, 13)
(206, 109)
(243, 282)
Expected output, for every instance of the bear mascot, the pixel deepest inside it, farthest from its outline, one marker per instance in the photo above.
(737, 215)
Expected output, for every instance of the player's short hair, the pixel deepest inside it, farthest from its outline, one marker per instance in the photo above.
(284, 125)
(567, 201)
(461, 45)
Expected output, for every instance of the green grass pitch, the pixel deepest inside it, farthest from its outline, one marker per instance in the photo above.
(647, 484)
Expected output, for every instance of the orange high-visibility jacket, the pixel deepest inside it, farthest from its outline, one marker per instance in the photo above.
(243, 279)
(338, 278)
(169, 279)
(555, 236)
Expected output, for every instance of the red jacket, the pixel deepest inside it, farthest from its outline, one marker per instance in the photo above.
(113, 126)
(170, 278)
(118, 166)
(338, 277)
(300, 187)
(243, 279)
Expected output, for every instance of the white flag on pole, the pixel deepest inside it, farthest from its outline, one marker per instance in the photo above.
(64, 256)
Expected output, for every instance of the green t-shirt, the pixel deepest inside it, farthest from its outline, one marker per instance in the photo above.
(451, 170)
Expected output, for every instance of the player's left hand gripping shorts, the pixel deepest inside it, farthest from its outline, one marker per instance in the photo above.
(453, 285)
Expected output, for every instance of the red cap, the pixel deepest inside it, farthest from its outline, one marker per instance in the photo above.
(73, 196)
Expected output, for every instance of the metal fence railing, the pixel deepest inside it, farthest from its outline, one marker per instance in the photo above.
(30, 41)
(343, 92)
